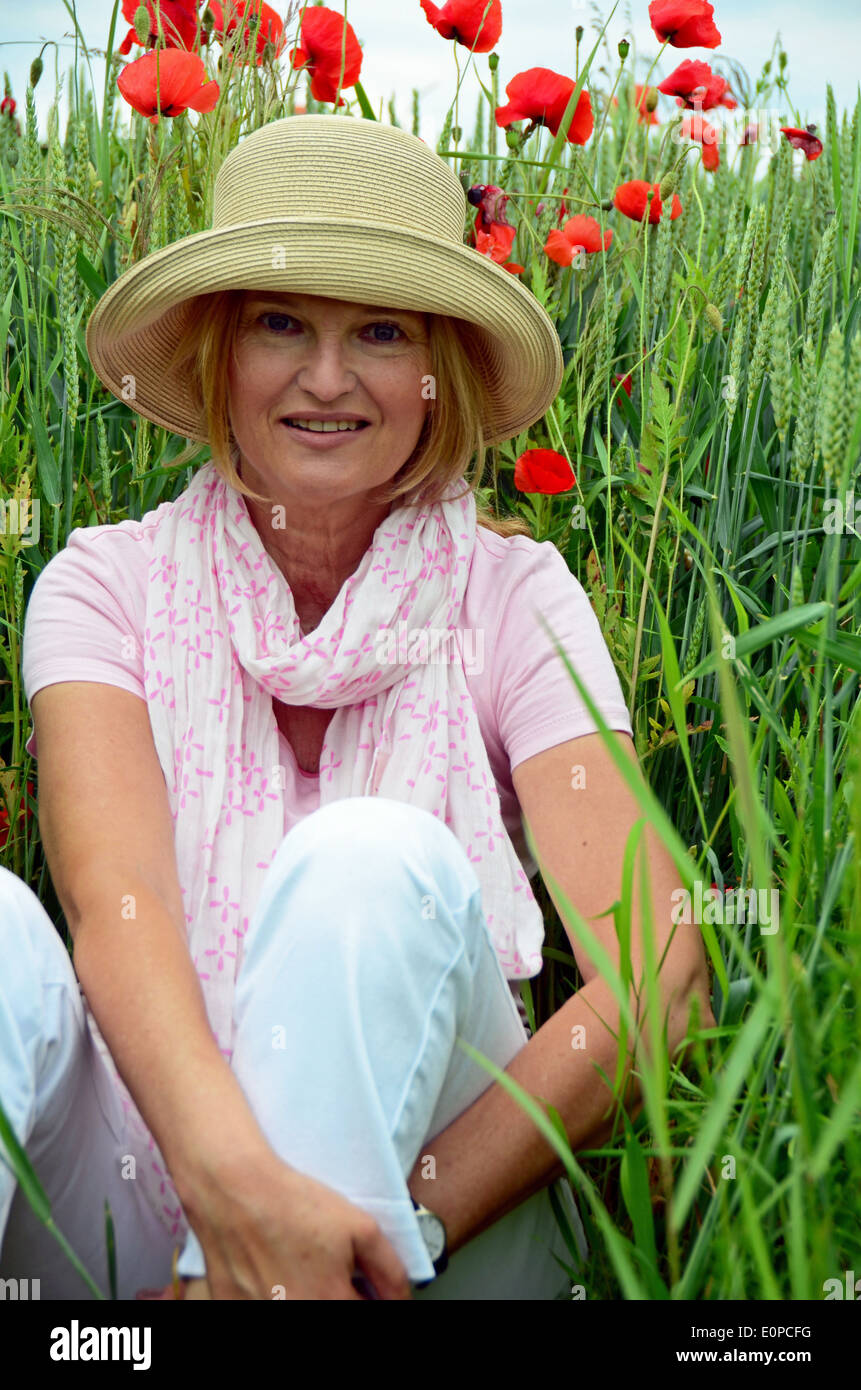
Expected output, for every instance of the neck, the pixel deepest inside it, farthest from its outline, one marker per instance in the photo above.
(317, 549)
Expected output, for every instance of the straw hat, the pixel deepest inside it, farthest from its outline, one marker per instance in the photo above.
(349, 208)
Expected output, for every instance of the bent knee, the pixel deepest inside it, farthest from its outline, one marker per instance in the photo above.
(372, 836)
(368, 868)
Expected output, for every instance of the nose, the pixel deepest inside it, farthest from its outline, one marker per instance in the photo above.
(325, 371)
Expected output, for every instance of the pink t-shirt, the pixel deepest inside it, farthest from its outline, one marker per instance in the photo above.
(85, 622)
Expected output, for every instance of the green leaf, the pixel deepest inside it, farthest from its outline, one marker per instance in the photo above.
(110, 1242)
(24, 1171)
(634, 1181)
(803, 1050)
(770, 631)
(46, 464)
(361, 96)
(843, 650)
(33, 1190)
(841, 1120)
(733, 1080)
(90, 276)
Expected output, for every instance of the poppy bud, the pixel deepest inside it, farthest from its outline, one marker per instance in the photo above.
(456, 134)
(207, 19)
(624, 49)
(782, 61)
(512, 139)
(667, 185)
(140, 24)
(493, 61)
(35, 71)
(578, 32)
(651, 100)
(714, 317)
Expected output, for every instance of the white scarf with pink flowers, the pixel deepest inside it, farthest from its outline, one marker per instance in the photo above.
(222, 638)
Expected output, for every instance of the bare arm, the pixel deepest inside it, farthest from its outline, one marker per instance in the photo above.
(107, 832)
(108, 836)
(158, 1033)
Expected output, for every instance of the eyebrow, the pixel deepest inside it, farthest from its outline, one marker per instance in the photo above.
(283, 296)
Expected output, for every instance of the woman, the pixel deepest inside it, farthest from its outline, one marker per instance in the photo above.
(291, 882)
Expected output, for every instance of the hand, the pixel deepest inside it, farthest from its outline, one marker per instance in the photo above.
(268, 1231)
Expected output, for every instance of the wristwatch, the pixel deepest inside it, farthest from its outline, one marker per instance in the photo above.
(434, 1236)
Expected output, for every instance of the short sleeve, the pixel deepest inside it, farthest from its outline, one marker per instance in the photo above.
(81, 622)
(536, 701)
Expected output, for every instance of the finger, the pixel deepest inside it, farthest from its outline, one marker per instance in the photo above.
(380, 1263)
(364, 1287)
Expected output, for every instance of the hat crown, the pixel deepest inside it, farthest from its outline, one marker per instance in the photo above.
(338, 166)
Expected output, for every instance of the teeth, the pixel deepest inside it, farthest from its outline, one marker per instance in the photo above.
(326, 426)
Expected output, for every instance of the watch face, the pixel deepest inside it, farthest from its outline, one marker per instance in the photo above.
(433, 1232)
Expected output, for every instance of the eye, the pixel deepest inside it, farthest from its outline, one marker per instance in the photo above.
(388, 329)
(274, 315)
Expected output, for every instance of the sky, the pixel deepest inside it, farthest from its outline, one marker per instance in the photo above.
(402, 51)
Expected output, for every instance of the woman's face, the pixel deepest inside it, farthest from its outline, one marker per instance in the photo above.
(300, 356)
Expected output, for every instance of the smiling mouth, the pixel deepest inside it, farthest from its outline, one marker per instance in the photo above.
(325, 426)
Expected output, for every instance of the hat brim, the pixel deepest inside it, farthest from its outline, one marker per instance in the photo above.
(141, 318)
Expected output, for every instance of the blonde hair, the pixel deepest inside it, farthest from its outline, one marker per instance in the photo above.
(451, 434)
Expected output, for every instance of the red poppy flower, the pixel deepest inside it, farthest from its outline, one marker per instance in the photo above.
(684, 23)
(24, 814)
(8, 104)
(803, 140)
(178, 21)
(711, 156)
(579, 234)
(543, 470)
(462, 21)
(627, 382)
(490, 201)
(694, 85)
(496, 245)
(492, 234)
(271, 27)
(696, 127)
(541, 95)
(322, 37)
(180, 80)
(641, 94)
(630, 198)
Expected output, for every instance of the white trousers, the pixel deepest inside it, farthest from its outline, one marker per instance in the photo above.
(367, 956)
